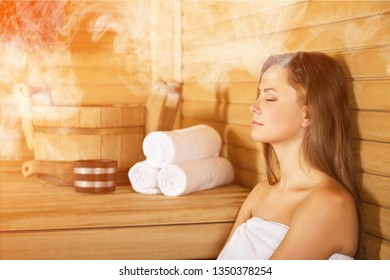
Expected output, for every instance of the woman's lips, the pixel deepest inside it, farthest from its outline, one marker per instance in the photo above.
(255, 123)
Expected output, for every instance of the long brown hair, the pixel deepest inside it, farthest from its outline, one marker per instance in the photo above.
(321, 85)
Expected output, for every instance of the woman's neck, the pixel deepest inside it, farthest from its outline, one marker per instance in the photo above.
(295, 171)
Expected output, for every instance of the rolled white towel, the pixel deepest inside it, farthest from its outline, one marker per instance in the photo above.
(191, 176)
(143, 178)
(191, 143)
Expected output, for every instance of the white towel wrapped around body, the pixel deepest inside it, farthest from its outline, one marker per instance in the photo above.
(197, 175)
(257, 239)
(191, 143)
(143, 178)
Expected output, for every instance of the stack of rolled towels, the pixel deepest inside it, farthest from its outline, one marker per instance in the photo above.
(180, 162)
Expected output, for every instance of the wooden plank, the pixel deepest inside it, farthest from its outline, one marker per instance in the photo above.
(121, 208)
(122, 243)
(374, 189)
(360, 33)
(74, 147)
(171, 106)
(243, 93)
(110, 116)
(373, 126)
(69, 117)
(376, 220)
(300, 16)
(354, 63)
(155, 107)
(165, 51)
(111, 86)
(372, 157)
(107, 76)
(376, 248)
(30, 204)
(357, 33)
(247, 178)
(93, 57)
(218, 112)
(370, 94)
(110, 148)
(105, 97)
(115, 91)
(133, 115)
(48, 146)
(90, 117)
(320, 12)
(199, 15)
(83, 42)
(84, 37)
(251, 160)
(132, 144)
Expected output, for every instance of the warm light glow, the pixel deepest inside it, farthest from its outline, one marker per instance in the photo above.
(33, 23)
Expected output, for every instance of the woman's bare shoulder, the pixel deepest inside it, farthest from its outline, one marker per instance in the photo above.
(254, 195)
(328, 213)
(263, 184)
(260, 187)
(333, 208)
(330, 195)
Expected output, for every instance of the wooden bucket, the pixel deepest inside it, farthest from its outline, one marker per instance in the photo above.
(66, 133)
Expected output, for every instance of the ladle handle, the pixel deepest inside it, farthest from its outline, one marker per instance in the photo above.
(60, 171)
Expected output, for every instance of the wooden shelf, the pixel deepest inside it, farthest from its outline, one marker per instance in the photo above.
(41, 220)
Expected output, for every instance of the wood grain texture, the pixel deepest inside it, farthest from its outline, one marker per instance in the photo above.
(376, 248)
(374, 188)
(376, 220)
(353, 62)
(372, 157)
(41, 220)
(316, 26)
(104, 75)
(195, 241)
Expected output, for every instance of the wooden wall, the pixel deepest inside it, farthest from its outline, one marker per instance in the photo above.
(217, 48)
(356, 33)
(140, 45)
(105, 77)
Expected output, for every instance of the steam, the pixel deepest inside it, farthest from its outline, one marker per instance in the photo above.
(131, 22)
(242, 46)
(35, 65)
(36, 35)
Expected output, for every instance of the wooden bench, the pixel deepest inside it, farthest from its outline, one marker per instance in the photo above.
(40, 220)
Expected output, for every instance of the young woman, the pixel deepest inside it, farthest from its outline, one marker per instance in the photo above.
(309, 206)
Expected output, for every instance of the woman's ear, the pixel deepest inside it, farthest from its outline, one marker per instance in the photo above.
(306, 118)
(305, 123)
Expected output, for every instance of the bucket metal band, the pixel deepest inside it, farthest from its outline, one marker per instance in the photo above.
(94, 170)
(94, 184)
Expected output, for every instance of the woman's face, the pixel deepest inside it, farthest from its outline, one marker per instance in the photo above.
(277, 116)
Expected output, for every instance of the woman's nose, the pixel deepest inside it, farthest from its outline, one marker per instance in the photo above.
(255, 108)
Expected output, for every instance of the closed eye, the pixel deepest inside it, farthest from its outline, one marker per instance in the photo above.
(269, 94)
(270, 97)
